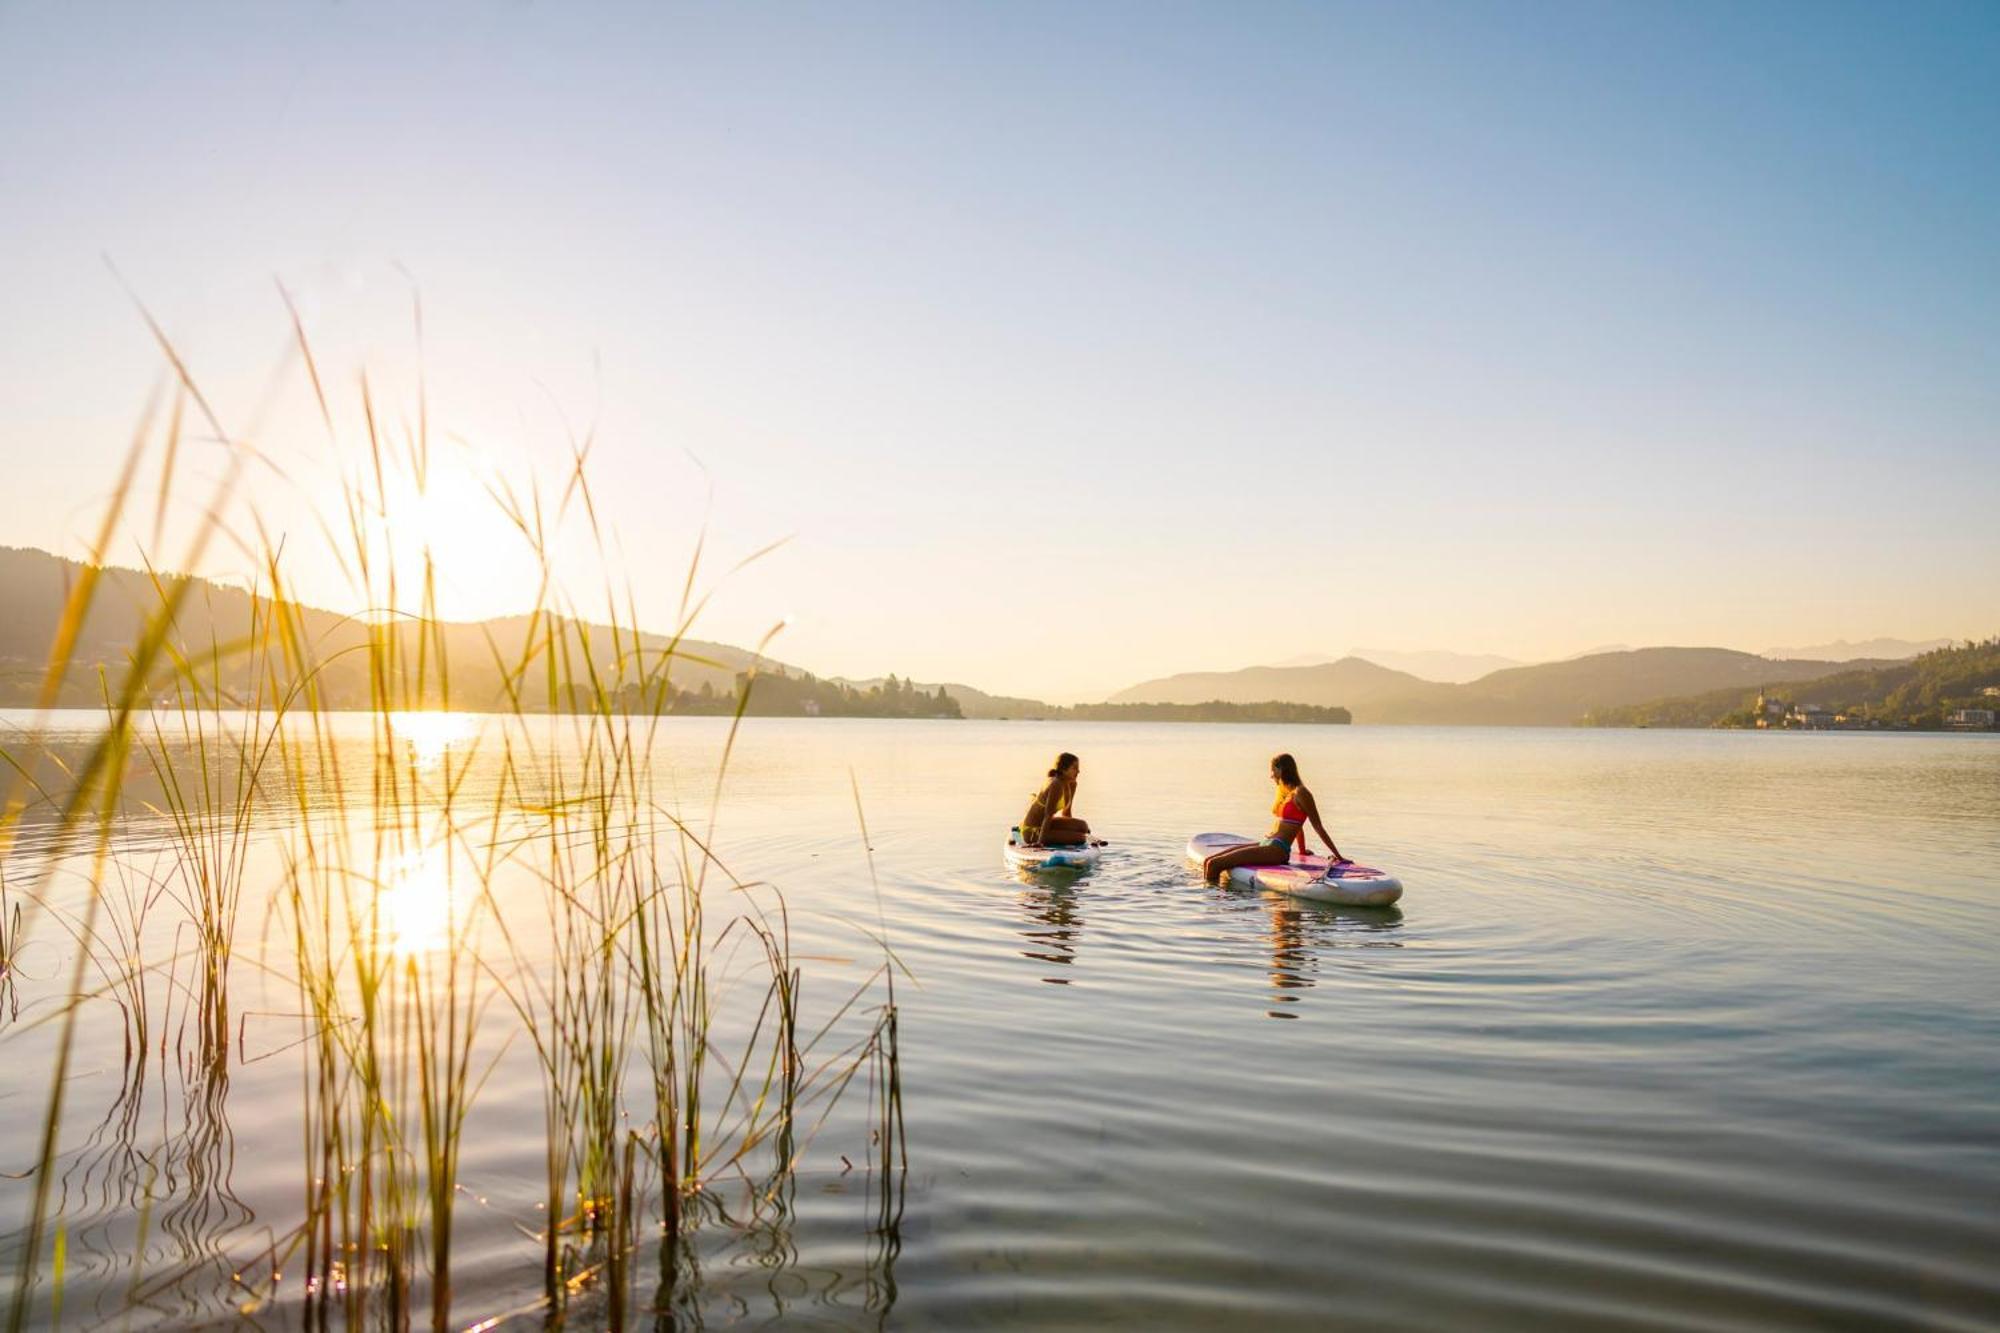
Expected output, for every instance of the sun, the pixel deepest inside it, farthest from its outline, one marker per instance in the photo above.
(448, 510)
(448, 523)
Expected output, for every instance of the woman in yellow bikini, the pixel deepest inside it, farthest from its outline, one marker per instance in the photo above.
(1051, 821)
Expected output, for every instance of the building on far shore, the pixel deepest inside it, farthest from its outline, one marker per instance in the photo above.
(1970, 719)
(1811, 717)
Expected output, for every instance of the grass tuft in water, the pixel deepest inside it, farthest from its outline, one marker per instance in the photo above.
(433, 907)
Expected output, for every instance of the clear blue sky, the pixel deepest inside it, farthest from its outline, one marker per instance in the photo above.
(1072, 344)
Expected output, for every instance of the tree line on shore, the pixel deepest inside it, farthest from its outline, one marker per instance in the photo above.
(1215, 710)
(788, 694)
(782, 694)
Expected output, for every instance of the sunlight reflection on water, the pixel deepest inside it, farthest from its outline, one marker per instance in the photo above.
(419, 910)
(430, 736)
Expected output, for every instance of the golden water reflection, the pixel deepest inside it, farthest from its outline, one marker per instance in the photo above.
(417, 904)
(1299, 933)
(431, 735)
(1053, 926)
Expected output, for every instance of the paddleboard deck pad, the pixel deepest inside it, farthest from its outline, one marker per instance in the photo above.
(1023, 857)
(1304, 876)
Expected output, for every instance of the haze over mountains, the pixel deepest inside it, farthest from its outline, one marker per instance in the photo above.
(1884, 650)
(1455, 668)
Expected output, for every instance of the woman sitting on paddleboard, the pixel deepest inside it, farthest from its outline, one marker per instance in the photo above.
(1042, 826)
(1294, 806)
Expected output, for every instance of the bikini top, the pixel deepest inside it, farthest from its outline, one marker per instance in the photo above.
(1291, 812)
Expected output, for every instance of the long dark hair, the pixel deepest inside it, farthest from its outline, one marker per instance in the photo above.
(1287, 770)
(1063, 760)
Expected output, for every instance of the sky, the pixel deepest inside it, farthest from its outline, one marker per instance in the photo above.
(1059, 346)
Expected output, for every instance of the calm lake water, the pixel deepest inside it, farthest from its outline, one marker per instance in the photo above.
(1676, 1030)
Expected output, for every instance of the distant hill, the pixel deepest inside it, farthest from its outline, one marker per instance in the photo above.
(35, 584)
(1916, 693)
(1840, 650)
(1436, 664)
(1350, 683)
(1547, 694)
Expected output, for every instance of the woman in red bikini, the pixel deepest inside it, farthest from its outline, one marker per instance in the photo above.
(1294, 806)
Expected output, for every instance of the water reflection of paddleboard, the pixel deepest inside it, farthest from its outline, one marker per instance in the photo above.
(1304, 876)
(1023, 857)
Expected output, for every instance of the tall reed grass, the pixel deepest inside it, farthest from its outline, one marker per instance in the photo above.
(577, 913)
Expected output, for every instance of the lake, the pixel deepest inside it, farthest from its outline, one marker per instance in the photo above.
(1671, 1029)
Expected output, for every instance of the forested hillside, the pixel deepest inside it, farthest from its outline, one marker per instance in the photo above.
(1918, 693)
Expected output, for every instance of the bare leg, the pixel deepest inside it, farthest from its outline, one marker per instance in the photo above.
(1216, 868)
(1065, 832)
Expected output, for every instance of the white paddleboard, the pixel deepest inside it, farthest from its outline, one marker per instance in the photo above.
(1023, 857)
(1304, 876)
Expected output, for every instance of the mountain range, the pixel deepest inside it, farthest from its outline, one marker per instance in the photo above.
(34, 585)
(1455, 668)
(1548, 694)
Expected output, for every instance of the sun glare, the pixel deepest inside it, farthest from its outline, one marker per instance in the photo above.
(416, 904)
(430, 736)
(449, 513)
(450, 522)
